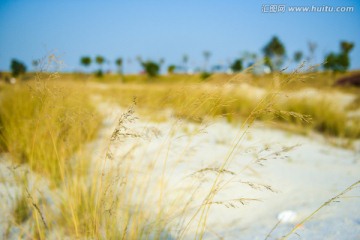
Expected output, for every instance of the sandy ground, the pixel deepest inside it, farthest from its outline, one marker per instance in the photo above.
(301, 173)
(271, 170)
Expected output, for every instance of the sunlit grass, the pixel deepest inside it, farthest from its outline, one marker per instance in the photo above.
(195, 102)
(48, 124)
(44, 123)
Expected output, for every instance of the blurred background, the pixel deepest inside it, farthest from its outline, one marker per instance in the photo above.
(131, 119)
(190, 35)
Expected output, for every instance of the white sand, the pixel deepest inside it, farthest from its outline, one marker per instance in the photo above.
(303, 177)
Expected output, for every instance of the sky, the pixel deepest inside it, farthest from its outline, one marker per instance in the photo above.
(167, 29)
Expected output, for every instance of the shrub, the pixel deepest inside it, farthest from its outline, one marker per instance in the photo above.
(17, 68)
(151, 68)
(205, 75)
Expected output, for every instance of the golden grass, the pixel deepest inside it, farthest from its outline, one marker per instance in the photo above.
(326, 117)
(195, 102)
(46, 124)
(190, 102)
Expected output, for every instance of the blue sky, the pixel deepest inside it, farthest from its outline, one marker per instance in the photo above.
(166, 29)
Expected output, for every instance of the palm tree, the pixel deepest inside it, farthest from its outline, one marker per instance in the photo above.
(85, 61)
(207, 55)
(185, 60)
(99, 60)
(119, 64)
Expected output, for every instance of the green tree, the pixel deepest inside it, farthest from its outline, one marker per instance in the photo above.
(119, 64)
(339, 62)
(17, 68)
(99, 60)
(275, 50)
(237, 65)
(207, 55)
(344, 61)
(185, 60)
(346, 47)
(248, 58)
(312, 46)
(151, 68)
(171, 69)
(35, 63)
(331, 62)
(268, 62)
(85, 61)
(298, 55)
(205, 75)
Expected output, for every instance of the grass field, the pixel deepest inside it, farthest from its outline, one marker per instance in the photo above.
(65, 174)
(234, 97)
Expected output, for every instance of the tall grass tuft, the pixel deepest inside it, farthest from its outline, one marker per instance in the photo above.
(43, 123)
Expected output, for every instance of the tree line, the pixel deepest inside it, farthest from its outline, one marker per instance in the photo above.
(273, 59)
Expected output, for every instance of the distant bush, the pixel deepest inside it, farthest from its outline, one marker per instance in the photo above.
(100, 61)
(17, 68)
(339, 62)
(99, 73)
(85, 61)
(171, 69)
(237, 65)
(119, 64)
(274, 52)
(205, 75)
(151, 68)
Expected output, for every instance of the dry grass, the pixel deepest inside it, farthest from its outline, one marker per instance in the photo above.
(43, 123)
(326, 117)
(196, 102)
(47, 125)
